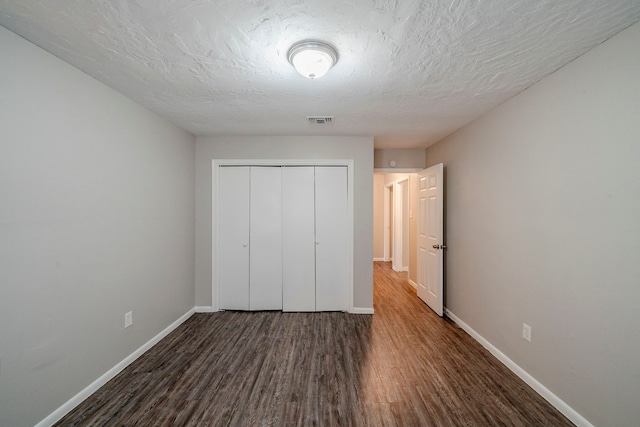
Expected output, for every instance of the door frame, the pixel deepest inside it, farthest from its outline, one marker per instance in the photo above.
(401, 224)
(387, 221)
(396, 205)
(217, 163)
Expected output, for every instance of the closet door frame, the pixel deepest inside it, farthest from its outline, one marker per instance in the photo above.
(215, 249)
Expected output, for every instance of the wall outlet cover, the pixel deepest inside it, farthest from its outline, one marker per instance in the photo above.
(526, 332)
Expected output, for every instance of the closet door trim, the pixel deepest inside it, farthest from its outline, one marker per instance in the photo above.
(215, 249)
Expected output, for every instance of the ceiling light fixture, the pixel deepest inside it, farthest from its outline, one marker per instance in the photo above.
(312, 58)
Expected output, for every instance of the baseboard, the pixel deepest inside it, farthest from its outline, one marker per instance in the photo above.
(404, 269)
(378, 259)
(63, 410)
(361, 310)
(554, 400)
(203, 309)
(412, 283)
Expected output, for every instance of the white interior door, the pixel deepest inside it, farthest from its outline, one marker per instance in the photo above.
(430, 233)
(233, 238)
(265, 241)
(331, 237)
(298, 239)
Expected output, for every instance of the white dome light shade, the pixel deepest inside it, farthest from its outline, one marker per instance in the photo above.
(312, 59)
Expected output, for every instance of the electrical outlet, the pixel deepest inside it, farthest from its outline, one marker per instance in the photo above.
(128, 319)
(526, 332)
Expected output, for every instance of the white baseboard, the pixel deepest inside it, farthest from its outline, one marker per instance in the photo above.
(404, 269)
(203, 309)
(361, 310)
(554, 400)
(378, 259)
(412, 283)
(63, 410)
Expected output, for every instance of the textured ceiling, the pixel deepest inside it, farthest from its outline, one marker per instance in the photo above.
(410, 72)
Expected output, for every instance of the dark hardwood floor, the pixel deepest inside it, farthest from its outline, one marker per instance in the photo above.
(403, 366)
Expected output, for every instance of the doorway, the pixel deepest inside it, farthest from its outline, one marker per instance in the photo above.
(394, 228)
(396, 222)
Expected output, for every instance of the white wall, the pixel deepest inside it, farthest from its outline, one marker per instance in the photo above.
(96, 219)
(360, 149)
(543, 227)
(414, 158)
(378, 217)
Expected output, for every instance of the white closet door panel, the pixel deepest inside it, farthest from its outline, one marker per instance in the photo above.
(265, 271)
(233, 238)
(298, 239)
(331, 238)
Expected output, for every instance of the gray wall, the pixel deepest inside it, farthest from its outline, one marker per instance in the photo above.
(414, 158)
(543, 227)
(96, 219)
(360, 149)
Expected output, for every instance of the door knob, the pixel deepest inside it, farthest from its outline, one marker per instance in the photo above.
(436, 246)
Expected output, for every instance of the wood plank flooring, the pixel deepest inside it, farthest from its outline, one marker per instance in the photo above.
(403, 366)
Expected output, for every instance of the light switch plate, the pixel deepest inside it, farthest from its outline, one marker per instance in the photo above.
(526, 332)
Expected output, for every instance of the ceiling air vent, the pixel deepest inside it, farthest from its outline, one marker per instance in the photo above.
(320, 120)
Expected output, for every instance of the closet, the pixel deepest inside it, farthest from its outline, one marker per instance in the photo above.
(282, 234)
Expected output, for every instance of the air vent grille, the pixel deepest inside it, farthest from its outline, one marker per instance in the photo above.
(320, 120)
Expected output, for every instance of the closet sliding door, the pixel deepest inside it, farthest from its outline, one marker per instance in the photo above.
(250, 238)
(265, 231)
(281, 238)
(314, 209)
(298, 239)
(233, 237)
(331, 238)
